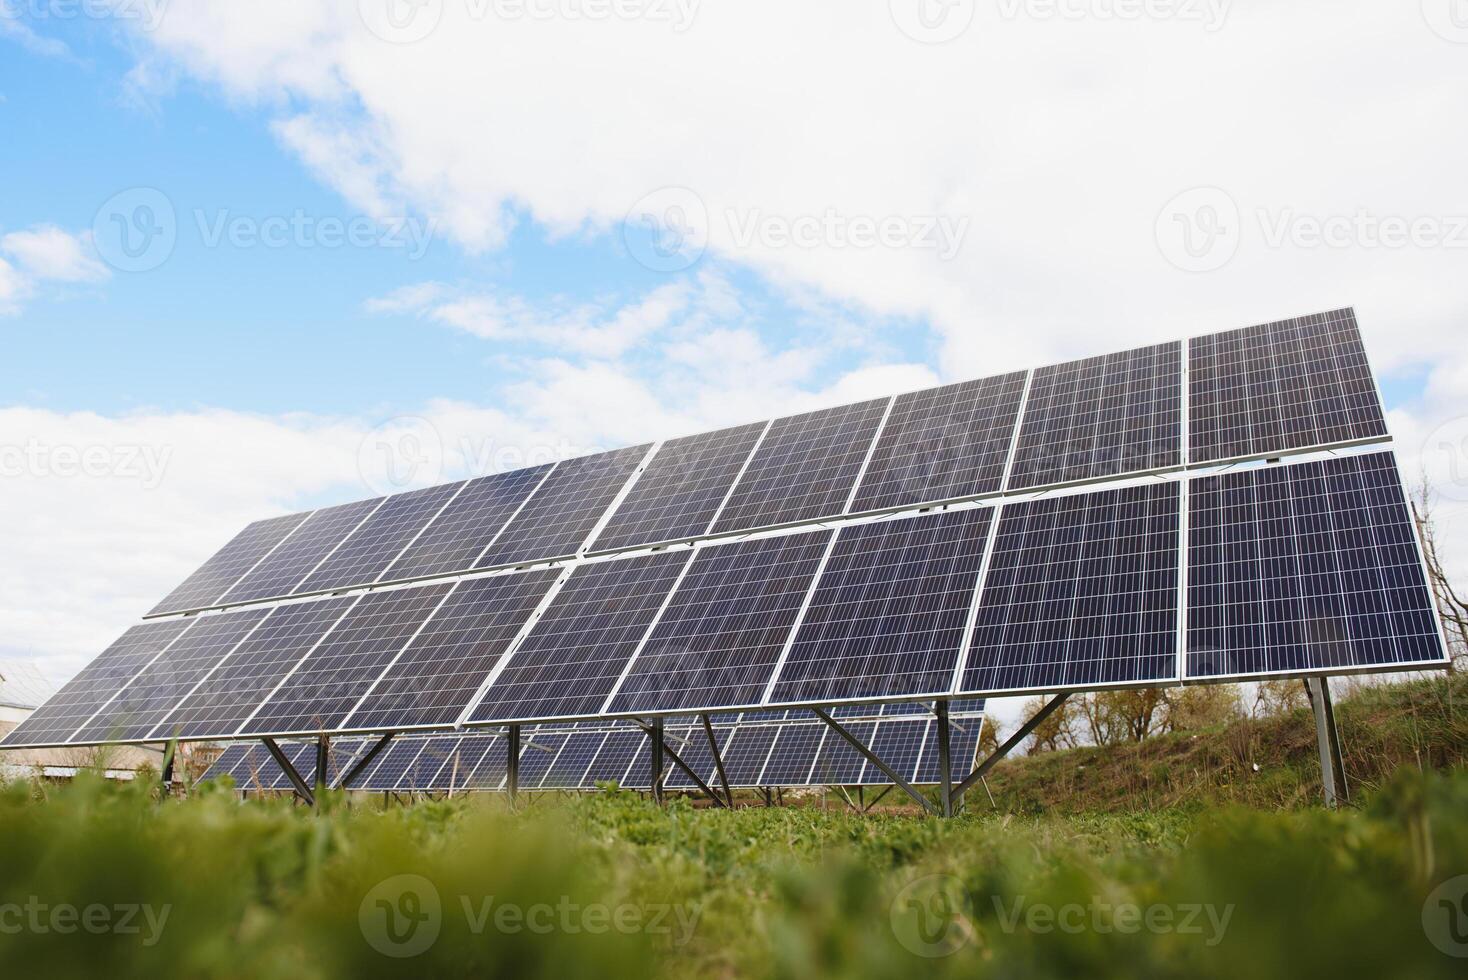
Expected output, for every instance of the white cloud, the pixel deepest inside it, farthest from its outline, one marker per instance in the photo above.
(47, 252)
(13, 288)
(13, 30)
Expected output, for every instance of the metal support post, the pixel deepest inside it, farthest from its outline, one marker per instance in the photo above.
(871, 757)
(655, 737)
(945, 759)
(1328, 739)
(512, 761)
(323, 762)
(708, 730)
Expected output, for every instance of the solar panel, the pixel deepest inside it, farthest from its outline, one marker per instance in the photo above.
(888, 614)
(943, 444)
(616, 756)
(570, 661)
(558, 518)
(692, 746)
(490, 773)
(538, 752)
(681, 491)
(837, 763)
(372, 547)
(387, 770)
(804, 469)
(458, 536)
(1081, 592)
(219, 705)
(1279, 386)
(717, 643)
(1306, 567)
(259, 771)
(204, 587)
(152, 694)
(420, 774)
(963, 747)
(794, 755)
(226, 761)
(898, 744)
(282, 570)
(574, 759)
(327, 685)
(1101, 416)
(745, 753)
(468, 757)
(66, 710)
(441, 670)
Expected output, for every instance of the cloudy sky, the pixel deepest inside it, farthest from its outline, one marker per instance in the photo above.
(260, 256)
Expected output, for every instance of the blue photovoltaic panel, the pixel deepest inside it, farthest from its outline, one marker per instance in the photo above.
(794, 755)
(323, 690)
(898, 744)
(490, 773)
(838, 764)
(804, 469)
(718, 641)
(557, 519)
(681, 490)
(458, 772)
(942, 444)
(692, 746)
(963, 746)
(1306, 567)
(66, 710)
(248, 674)
(1082, 591)
(889, 611)
(1280, 386)
(570, 661)
(459, 535)
(745, 754)
(538, 752)
(204, 587)
(616, 756)
(1102, 416)
(387, 769)
(372, 547)
(282, 570)
(258, 771)
(426, 765)
(226, 761)
(439, 673)
(573, 761)
(149, 697)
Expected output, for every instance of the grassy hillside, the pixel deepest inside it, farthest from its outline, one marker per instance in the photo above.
(1273, 762)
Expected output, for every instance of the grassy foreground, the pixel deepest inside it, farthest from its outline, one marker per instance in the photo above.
(612, 886)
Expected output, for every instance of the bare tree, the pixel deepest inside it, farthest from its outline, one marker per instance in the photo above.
(1057, 731)
(1450, 603)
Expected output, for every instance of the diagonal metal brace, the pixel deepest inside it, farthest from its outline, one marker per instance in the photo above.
(1009, 745)
(360, 766)
(668, 751)
(871, 757)
(708, 730)
(302, 790)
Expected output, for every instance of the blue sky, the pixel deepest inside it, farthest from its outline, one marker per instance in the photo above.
(1042, 182)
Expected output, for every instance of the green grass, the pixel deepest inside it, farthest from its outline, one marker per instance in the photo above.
(270, 889)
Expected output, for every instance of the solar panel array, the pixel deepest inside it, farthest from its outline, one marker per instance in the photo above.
(754, 754)
(1060, 587)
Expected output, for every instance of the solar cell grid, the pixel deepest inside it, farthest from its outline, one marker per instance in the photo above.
(1101, 416)
(898, 744)
(159, 687)
(942, 444)
(226, 761)
(459, 534)
(889, 611)
(745, 754)
(327, 685)
(538, 752)
(1081, 591)
(218, 706)
(371, 548)
(66, 710)
(804, 469)
(717, 643)
(211, 579)
(1306, 567)
(283, 569)
(838, 763)
(559, 517)
(570, 660)
(387, 769)
(681, 490)
(615, 757)
(574, 759)
(1292, 384)
(441, 670)
(794, 754)
(963, 745)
